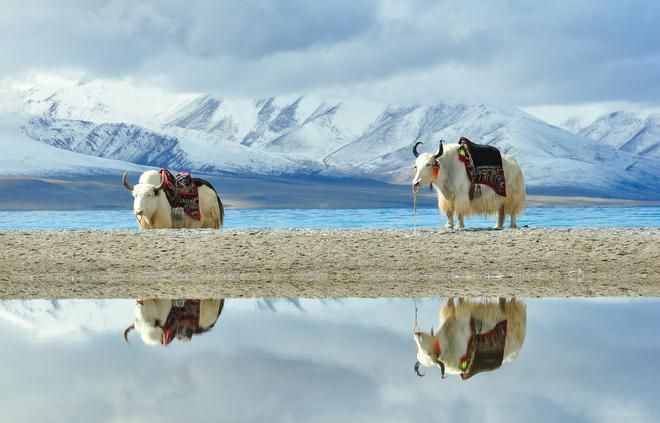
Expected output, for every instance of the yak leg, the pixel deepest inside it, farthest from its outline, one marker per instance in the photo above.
(513, 221)
(460, 221)
(500, 218)
(450, 219)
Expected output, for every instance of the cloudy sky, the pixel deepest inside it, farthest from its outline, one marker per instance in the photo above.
(517, 52)
(347, 360)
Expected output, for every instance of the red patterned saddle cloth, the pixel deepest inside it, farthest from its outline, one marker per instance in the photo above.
(483, 164)
(485, 351)
(181, 192)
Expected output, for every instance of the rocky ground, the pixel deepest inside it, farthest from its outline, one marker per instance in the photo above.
(330, 263)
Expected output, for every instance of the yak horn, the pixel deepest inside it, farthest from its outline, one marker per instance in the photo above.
(442, 368)
(162, 183)
(417, 363)
(415, 148)
(125, 182)
(439, 153)
(128, 329)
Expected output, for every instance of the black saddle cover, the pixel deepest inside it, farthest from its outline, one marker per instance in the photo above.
(483, 164)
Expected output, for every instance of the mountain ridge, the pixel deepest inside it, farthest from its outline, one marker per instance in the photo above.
(311, 135)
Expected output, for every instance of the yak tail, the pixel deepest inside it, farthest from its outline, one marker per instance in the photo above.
(222, 210)
(199, 182)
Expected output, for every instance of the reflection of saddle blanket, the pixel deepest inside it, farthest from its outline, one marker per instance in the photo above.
(483, 164)
(485, 351)
(181, 192)
(183, 321)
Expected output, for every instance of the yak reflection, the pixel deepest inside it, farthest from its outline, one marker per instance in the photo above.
(474, 336)
(160, 321)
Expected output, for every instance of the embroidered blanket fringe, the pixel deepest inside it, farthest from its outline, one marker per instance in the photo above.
(181, 192)
(183, 321)
(491, 174)
(485, 351)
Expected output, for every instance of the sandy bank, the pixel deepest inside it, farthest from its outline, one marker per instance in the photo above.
(330, 263)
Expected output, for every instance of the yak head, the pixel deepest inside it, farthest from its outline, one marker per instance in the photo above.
(145, 194)
(428, 351)
(425, 168)
(150, 316)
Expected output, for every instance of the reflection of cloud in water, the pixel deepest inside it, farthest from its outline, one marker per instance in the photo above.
(348, 361)
(54, 320)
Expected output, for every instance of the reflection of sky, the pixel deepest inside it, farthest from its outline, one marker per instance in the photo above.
(349, 360)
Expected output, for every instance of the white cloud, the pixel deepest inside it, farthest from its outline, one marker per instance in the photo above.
(514, 52)
(334, 361)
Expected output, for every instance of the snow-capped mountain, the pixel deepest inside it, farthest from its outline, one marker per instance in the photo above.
(119, 141)
(625, 131)
(120, 121)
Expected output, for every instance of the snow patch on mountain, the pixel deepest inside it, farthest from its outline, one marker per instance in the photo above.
(627, 131)
(24, 156)
(117, 141)
(120, 120)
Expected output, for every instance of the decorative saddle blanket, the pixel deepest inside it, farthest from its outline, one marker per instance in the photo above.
(181, 192)
(183, 322)
(485, 351)
(483, 164)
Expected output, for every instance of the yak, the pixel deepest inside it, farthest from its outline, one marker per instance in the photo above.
(153, 210)
(474, 336)
(446, 173)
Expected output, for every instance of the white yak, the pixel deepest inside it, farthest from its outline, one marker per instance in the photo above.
(451, 347)
(159, 321)
(446, 173)
(153, 210)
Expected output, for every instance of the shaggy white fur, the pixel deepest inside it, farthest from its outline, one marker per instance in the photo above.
(156, 212)
(454, 333)
(452, 186)
(151, 315)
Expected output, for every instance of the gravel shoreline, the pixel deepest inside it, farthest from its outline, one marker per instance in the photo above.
(330, 263)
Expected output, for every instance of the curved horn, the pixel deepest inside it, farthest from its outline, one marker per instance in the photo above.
(125, 182)
(417, 363)
(442, 368)
(162, 183)
(439, 153)
(415, 148)
(128, 329)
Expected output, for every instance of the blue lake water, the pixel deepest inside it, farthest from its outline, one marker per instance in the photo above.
(551, 217)
(349, 360)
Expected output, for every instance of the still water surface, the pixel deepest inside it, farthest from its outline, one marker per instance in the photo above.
(553, 217)
(349, 360)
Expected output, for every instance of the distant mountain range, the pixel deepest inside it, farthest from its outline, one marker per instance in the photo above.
(62, 126)
(627, 132)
